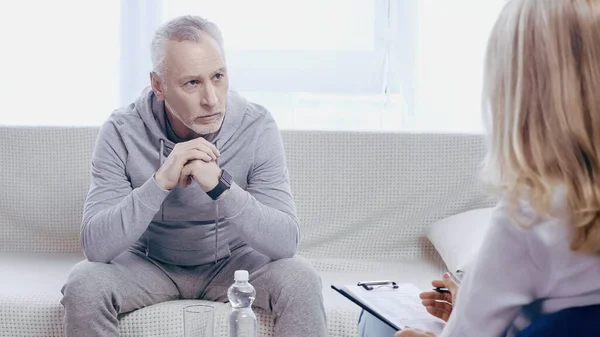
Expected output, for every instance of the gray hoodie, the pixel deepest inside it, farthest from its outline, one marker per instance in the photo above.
(125, 208)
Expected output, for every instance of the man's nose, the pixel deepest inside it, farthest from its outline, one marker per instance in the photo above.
(210, 98)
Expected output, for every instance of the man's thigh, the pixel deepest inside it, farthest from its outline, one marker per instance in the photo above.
(130, 279)
(285, 281)
(269, 278)
(214, 282)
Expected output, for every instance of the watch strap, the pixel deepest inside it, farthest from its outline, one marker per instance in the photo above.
(224, 184)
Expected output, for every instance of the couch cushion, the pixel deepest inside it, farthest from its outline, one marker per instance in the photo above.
(30, 297)
(457, 238)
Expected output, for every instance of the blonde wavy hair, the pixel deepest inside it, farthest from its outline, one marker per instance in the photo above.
(541, 103)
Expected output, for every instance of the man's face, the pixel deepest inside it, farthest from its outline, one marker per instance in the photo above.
(194, 84)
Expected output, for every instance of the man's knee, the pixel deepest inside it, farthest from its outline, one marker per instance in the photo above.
(88, 281)
(295, 276)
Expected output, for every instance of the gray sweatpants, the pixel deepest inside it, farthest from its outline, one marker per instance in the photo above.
(95, 293)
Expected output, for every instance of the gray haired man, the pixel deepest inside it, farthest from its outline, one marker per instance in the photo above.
(189, 184)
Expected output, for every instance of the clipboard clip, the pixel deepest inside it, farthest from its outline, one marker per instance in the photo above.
(370, 285)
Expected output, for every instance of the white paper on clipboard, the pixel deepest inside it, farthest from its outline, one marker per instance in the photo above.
(400, 307)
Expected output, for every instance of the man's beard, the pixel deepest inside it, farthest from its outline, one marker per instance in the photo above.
(198, 128)
(205, 129)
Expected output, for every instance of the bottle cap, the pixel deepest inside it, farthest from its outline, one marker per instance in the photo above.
(241, 275)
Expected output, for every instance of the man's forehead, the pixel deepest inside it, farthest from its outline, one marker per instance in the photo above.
(195, 58)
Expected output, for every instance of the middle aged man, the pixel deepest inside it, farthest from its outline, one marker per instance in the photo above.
(189, 184)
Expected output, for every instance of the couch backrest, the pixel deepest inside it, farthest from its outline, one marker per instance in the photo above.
(371, 196)
(359, 195)
(44, 178)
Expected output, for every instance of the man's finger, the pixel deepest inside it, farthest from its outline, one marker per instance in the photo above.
(185, 173)
(188, 169)
(184, 180)
(187, 181)
(193, 154)
(203, 143)
(208, 150)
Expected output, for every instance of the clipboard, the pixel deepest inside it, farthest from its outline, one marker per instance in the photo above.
(395, 305)
(365, 307)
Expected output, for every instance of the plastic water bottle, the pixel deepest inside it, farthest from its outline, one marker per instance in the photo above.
(241, 294)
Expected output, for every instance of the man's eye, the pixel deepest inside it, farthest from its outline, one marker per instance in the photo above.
(192, 83)
(219, 76)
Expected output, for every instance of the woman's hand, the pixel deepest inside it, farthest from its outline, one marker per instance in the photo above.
(409, 332)
(440, 304)
(437, 304)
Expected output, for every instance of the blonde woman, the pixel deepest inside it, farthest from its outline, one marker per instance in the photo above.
(542, 110)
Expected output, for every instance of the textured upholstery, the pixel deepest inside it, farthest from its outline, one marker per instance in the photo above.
(364, 201)
(44, 174)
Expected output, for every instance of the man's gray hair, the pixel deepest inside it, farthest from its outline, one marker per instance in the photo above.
(183, 28)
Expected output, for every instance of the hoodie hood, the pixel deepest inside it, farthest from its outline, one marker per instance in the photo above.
(152, 111)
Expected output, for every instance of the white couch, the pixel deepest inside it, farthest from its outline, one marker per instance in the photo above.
(364, 201)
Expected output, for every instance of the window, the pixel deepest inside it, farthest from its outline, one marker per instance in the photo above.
(60, 62)
(314, 64)
(450, 58)
(317, 46)
(330, 65)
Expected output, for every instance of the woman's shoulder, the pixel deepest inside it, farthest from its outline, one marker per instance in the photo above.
(521, 216)
(545, 234)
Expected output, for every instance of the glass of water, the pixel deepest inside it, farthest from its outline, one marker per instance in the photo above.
(198, 320)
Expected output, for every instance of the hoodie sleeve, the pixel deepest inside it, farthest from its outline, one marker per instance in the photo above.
(115, 215)
(265, 213)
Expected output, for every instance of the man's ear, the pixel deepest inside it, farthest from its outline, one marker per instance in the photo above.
(157, 86)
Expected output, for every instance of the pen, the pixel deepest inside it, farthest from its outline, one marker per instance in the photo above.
(442, 290)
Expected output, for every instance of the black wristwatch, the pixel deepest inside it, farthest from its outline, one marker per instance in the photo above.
(224, 184)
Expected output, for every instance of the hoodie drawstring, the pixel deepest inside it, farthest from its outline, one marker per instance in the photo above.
(162, 209)
(160, 164)
(216, 219)
(216, 231)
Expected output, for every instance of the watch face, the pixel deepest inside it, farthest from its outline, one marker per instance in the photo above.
(226, 178)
